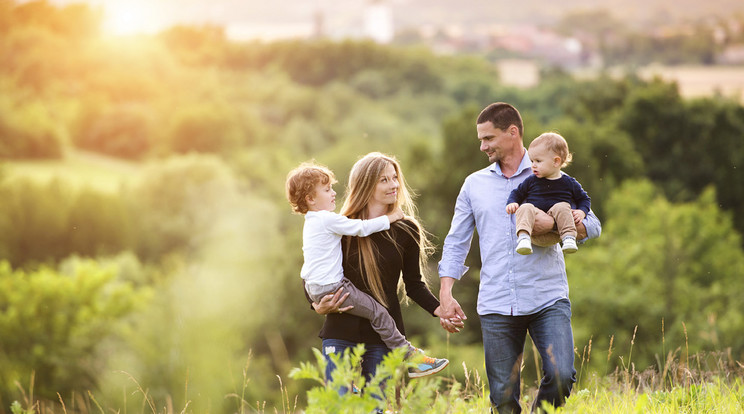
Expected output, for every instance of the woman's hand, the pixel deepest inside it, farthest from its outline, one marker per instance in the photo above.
(331, 303)
(452, 325)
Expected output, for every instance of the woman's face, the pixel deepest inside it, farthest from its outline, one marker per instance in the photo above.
(386, 191)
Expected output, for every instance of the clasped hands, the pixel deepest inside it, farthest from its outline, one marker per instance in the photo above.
(331, 303)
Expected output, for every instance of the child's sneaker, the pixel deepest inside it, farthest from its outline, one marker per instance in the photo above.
(524, 245)
(426, 365)
(569, 245)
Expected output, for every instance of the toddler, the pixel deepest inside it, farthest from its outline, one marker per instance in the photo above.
(550, 190)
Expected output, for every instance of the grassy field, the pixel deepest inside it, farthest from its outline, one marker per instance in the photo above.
(78, 168)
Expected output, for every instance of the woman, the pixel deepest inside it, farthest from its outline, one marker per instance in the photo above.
(376, 264)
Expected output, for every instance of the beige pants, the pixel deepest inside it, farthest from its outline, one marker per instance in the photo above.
(564, 221)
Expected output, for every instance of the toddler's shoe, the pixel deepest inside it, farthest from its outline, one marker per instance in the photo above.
(524, 245)
(425, 365)
(569, 245)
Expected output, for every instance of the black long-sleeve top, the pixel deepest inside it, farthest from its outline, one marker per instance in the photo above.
(393, 265)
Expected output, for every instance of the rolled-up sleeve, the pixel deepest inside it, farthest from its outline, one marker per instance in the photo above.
(593, 226)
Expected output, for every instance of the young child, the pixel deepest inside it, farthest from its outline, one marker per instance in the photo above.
(309, 191)
(551, 191)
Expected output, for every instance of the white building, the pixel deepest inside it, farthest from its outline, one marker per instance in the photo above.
(378, 21)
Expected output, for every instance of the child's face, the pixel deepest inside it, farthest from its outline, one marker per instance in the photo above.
(545, 163)
(323, 198)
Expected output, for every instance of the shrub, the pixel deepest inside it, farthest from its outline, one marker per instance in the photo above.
(53, 324)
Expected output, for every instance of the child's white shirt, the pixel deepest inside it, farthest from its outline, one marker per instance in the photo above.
(321, 243)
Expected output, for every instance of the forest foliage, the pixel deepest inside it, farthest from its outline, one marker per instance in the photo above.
(186, 277)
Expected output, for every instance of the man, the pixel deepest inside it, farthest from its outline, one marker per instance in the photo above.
(518, 294)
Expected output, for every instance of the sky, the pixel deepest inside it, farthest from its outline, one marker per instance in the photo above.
(246, 19)
(280, 18)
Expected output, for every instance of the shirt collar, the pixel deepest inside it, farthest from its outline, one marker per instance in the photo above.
(525, 164)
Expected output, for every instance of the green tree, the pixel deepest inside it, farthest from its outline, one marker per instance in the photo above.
(204, 128)
(99, 224)
(34, 221)
(124, 131)
(659, 263)
(47, 222)
(173, 204)
(27, 130)
(687, 145)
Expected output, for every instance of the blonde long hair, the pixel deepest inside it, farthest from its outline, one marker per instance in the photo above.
(363, 180)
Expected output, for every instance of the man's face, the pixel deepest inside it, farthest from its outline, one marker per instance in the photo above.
(493, 141)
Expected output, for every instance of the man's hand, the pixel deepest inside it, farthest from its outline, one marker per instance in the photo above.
(450, 313)
(580, 229)
(543, 223)
(331, 303)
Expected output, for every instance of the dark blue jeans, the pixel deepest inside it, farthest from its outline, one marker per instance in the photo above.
(503, 341)
(373, 355)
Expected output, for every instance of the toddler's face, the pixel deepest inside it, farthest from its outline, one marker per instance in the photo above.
(324, 198)
(545, 163)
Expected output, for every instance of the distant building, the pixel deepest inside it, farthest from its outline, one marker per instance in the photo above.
(731, 55)
(378, 21)
(319, 30)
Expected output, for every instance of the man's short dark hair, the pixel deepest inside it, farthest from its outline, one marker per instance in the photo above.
(501, 115)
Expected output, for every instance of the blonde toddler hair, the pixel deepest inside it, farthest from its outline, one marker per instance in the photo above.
(556, 144)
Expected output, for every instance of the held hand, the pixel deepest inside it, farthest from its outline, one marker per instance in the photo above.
(450, 313)
(396, 215)
(543, 223)
(452, 325)
(331, 303)
(578, 215)
(511, 208)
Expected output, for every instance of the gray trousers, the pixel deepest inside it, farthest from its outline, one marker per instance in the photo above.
(366, 307)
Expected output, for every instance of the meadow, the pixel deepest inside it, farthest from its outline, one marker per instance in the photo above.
(149, 259)
(692, 384)
(704, 382)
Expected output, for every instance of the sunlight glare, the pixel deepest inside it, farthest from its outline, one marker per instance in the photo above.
(124, 18)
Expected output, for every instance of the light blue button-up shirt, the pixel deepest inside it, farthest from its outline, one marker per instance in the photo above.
(510, 283)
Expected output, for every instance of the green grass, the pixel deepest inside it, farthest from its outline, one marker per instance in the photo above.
(695, 384)
(83, 169)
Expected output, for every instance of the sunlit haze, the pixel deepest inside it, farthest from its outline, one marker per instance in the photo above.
(128, 17)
